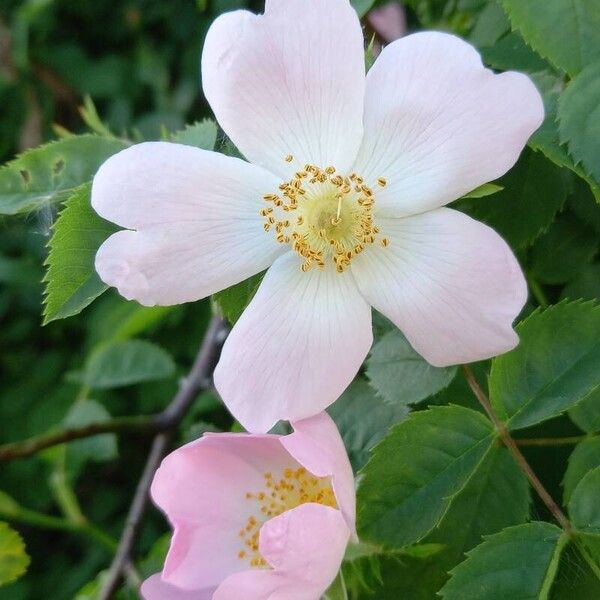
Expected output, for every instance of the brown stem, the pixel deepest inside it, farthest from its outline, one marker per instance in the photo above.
(559, 441)
(198, 378)
(517, 455)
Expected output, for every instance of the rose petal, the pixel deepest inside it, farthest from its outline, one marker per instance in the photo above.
(317, 445)
(296, 348)
(450, 283)
(290, 81)
(154, 588)
(197, 219)
(438, 124)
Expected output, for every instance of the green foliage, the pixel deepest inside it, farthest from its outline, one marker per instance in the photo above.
(566, 33)
(71, 280)
(487, 189)
(118, 364)
(554, 367)
(584, 508)
(583, 459)
(579, 114)
(46, 175)
(586, 414)
(363, 418)
(519, 562)
(417, 469)
(400, 375)
(13, 558)
(232, 301)
(201, 134)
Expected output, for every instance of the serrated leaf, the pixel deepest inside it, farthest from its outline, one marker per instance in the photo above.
(554, 367)
(534, 191)
(118, 364)
(518, 562)
(512, 53)
(487, 189)
(584, 508)
(566, 33)
(363, 419)
(586, 414)
(13, 557)
(585, 285)
(202, 134)
(413, 474)
(584, 458)
(71, 279)
(400, 375)
(579, 117)
(232, 301)
(48, 174)
(560, 252)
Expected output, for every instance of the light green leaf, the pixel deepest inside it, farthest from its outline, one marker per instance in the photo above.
(566, 33)
(584, 507)
(130, 362)
(202, 134)
(518, 562)
(400, 375)
(9, 507)
(362, 7)
(234, 300)
(554, 367)
(413, 474)
(560, 252)
(487, 189)
(586, 414)
(534, 191)
(363, 419)
(584, 458)
(71, 279)
(579, 116)
(337, 590)
(13, 557)
(48, 174)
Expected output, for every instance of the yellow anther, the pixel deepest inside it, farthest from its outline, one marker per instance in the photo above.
(289, 158)
(381, 182)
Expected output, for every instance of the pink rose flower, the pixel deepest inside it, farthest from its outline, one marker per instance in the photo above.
(342, 200)
(255, 516)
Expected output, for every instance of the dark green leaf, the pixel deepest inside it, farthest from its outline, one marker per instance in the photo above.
(579, 117)
(363, 419)
(583, 459)
(13, 558)
(512, 53)
(566, 33)
(130, 362)
(71, 279)
(519, 562)
(48, 174)
(584, 507)
(201, 134)
(234, 300)
(554, 367)
(417, 469)
(585, 285)
(586, 414)
(400, 375)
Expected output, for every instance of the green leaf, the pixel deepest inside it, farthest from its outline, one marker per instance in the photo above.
(337, 590)
(71, 279)
(554, 367)
(584, 508)
(130, 362)
(202, 134)
(584, 458)
(13, 558)
(487, 189)
(518, 562)
(400, 375)
(586, 414)
(234, 300)
(48, 174)
(98, 448)
(417, 469)
(585, 284)
(579, 117)
(575, 579)
(512, 53)
(558, 254)
(362, 7)
(9, 507)
(363, 419)
(566, 33)
(534, 191)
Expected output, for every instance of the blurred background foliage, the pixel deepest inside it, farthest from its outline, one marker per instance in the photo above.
(139, 62)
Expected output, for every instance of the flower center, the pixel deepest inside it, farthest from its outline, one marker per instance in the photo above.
(293, 488)
(323, 215)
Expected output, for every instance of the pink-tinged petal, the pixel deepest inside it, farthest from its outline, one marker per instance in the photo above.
(290, 81)
(317, 445)
(450, 283)
(202, 488)
(438, 124)
(197, 222)
(154, 588)
(305, 546)
(297, 346)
